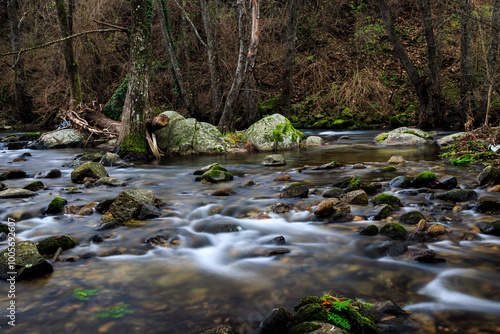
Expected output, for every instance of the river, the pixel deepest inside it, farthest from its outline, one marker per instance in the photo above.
(206, 279)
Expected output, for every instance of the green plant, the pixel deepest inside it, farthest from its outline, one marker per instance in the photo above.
(336, 318)
(115, 312)
(81, 294)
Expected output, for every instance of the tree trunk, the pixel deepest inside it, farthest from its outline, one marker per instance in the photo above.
(213, 63)
(23, 102)
(293, 14)
(185, 44)
(168, 40)
(69, 57)
(136, 109)
(491, 61)
(465, 56)
(252, 106)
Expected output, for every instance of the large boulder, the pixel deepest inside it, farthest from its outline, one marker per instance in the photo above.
(402, 137)
(52, 244)
(28, 263)
(449, 139)
(458, 195)
(16, 193)
(489, 176)
(273, 132)
(92, 170)
(62, 138)
(188, 136)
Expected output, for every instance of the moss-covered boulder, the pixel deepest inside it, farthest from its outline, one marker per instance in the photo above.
(56, 206)
(371, 188)
(275, 323)
(381, 211)
(400, 182)
(333, 192)
(458, 195)
(273, 132)
(369, 230)
(388, 169)
(52, 244)
(28, 262)
(216, 173)
(294, 189)
(424, 179)
(34, 186)
(387, 199)
(412, 217)
(16, 193)
(395, 231)
(489, 176)
(402, 137)
(450, 139)
(357, 197)
(91, 169)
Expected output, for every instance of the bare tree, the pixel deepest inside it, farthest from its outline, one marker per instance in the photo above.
(252, 107)
(465, 56)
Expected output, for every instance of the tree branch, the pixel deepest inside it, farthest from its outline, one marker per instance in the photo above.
(57, 41)
(192, 24)
(113, 26)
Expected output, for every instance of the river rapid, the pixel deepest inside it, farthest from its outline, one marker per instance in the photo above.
(206, 279)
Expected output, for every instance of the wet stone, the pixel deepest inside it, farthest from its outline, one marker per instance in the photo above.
(384, 248)
(333, 192)
(356, 197)
(29, 263)
(428, 256)
(96, 238)
(282, 178)
(394, 230)
(294, 189)
(13, 174)
(447, 182)
(274, 160)
(16, 193)
(49, 174)
(281, 208)
(381, 211)
(436, 229)
(412, 217)
(491, 228)
(280, 240)
(34, 186)
(223, 192)
(369, 230)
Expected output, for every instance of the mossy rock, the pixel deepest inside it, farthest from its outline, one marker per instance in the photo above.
(294, 189)
(354, 184)
(51, 245)
(388, 169)
(89, 169)
(488, 207)
(30, 136)
(369, 230)
(387, 199)
(412, 217)
(56, 205)
(4, 228)
(395, 231)
(305, 327)
(370, 188)
(28, 262)
(216, 175)
(381, 211)
(400, 182)
(424, 179)
(34, 186)
(458, 195)
(104, 205)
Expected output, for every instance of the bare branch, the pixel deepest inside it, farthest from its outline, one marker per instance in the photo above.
(191, 22)
(113, 26)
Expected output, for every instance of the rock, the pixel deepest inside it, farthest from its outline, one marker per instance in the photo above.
(148, 211)
(491, 228)
(129, 203)
(110, 181)
(273, 132)
(55, 206)
(215, 173)
(394, 138)
(275, 323)
(422, 225)
(222, 329)
(388, 169)
(356, 197)
(450, 139)
(34, 186)
(51, 245)
(424, 179)
(396, 159)
(458, 195)
(489, 176)
(104, 206)
(412, 217)
(359, 166)
(279, 240)
(16, 193)
(281, 208)
(89, 169)
(223, 192)
(13, 174)
(274, 160)
(249, 183)
(494, 189)
(53, 173)
(384, 248)
(333, 192)
(325, 208)
(354, 184)
(96, 238)
(341, 215)
(330, 165)
(62, 138)
(28, 262)
(387, 199)
(205, 169)
(447, 182)
(313, 141)
(400, 182)
(395, 231)
(111, 159)
(488, 207)
(282, 178)
(381, 211)
(217, 226)
(369, 230)
(3, 186)
(371, 188)
(188, 136)
(87, 210)
(28, 136)
(436, 229)
(294, 189)
(428, 256)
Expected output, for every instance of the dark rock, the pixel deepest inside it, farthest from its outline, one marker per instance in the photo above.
(53, 173)
(412, 217)
(89, 255)
(34, 186)
(3, 236)
(335, 192)
(28, 262)
(104, 206)
(280, 240)
(294, 189)
(28, 136)
(55, 206)
(148, 211)
(325, 208)
(394, 230)
(488, 207)
(458, 195)
(129, 203)
(369, 230)
(111, 159)
(3, 186)
(340, 217)
(447, 182)
(223, 192)
(356, 197)
(424, 179)
(330, 165)
(52, 244)
(281, 208)
(283, 178)
(218, 227)
(384, 248)
(491, 228)
(89, 169)
(274, 160)
(387, 199)
(16, 193)
(400, 182)
(407, 192)
(275, 323)
(13, 174)
(110, 181)
(490, 176)
(96, 238)
(222, 329)
(371, 188)
(249, 183)
(381, 211)
(428, 256)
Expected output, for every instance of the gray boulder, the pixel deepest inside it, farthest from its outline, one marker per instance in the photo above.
(62, 138)
(274, 160)
(28, 262)
(402, 137)
(449, 139)
(188, 136)
(111, 159)
(458, 195)
(16, 193)
(89, 169)
(489, 176)
(314, 141)
(273, 132)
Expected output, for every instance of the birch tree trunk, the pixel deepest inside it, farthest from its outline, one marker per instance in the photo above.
(23, 102)
(69, 57)
(136, 109)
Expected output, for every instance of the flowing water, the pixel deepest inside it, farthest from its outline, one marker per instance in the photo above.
(205, 279)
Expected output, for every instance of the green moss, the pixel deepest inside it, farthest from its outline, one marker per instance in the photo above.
(4, 228)
(305, 327)
(388, 169)
(387, 199)
(34, 186)
(354, 184)
(134, 142)
(382, 137)
(56, 205)
(30, 136)
(394, 230)
(369, 230)
(412, 217)
(424, 179)
(370, 188)
(104, 206)
(51, 245)
(219, 167)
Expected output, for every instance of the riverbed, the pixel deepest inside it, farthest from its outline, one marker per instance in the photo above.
(204, 279)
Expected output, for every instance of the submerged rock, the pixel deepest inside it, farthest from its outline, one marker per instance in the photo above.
(274, 160)
(273, 132)
(428, 256)
(110, 181)
(28, 262)
(92, 170)
(384, 248)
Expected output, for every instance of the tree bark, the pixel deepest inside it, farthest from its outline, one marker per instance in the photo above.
(136, 109)
(23, 102)
(213, 63)
(252, 106)
(176, 69)
(69, 57)
(491, 61)
(293, 13)
(465, 56)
